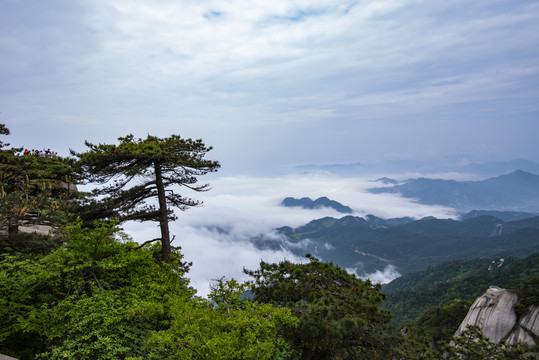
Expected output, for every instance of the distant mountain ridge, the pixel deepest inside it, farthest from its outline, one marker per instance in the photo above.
(459, 164)
(502, 215)
(368, 245)
(308, 203)
(517, 191)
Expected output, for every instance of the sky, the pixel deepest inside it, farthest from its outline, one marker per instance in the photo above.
(272, 85)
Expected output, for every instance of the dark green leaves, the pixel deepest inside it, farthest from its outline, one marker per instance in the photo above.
(339, 313)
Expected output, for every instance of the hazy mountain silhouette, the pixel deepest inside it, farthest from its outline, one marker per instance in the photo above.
(459, 164)
(517, 191)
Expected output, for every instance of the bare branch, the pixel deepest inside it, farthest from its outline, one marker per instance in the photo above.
(146, 243)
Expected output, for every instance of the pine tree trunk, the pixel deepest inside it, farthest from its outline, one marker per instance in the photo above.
(163, 217)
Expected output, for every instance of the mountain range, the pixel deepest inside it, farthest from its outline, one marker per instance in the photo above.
(517, 191)
(457, 164)
(368, 245)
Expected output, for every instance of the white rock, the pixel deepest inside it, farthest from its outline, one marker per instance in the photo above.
(493, 313)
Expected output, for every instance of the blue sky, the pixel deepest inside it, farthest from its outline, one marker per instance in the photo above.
(276, 84)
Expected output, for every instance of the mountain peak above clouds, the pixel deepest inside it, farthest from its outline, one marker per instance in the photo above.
(321, 202)
(386, 180)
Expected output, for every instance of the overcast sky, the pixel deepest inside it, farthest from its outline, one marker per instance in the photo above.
(276, 84)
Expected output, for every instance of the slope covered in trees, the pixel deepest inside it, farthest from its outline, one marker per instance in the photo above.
(410, 296)
(368, 245)
(339, 314)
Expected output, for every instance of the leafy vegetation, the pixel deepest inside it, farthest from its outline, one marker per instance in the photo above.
(439, 323)
(339, 314)
(95, 297)
(34, 191)
(226, 327)
(3, 131)
(456, 280)
(472, 345)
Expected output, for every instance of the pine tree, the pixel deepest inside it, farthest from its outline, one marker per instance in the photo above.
(339, 314)
(136, 171)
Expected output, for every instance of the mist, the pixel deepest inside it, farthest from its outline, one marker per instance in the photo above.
(217, 237)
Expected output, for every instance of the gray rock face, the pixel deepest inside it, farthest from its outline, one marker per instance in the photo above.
(527, 329)
(493, 313)
(5, 357)
(39, 229)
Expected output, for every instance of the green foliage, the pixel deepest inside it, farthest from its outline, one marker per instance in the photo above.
(96, 297)
(441, 322)
(441, 273)
(471, 344)
(339, 314)
(527, 292)
(227, 327)
(157, 164)
(100, 296)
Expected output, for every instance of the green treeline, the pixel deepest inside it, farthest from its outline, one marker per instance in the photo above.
(85, 290)
(411, 295)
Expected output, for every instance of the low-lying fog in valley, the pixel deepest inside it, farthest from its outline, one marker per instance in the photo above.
(216, 236)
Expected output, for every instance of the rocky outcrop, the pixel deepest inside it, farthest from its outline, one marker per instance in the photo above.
(5, 357)
(30, 223)
(494, 314)
(528, 328)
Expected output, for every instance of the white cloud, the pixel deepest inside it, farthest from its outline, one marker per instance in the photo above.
(247, 207)
(383, 276)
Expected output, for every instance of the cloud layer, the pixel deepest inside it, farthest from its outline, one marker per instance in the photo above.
(247, 207)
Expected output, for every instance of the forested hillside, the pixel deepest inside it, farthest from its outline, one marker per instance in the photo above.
(370, 245)
(411, 295)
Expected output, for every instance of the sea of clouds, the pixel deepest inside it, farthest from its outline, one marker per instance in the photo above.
(217, 237)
